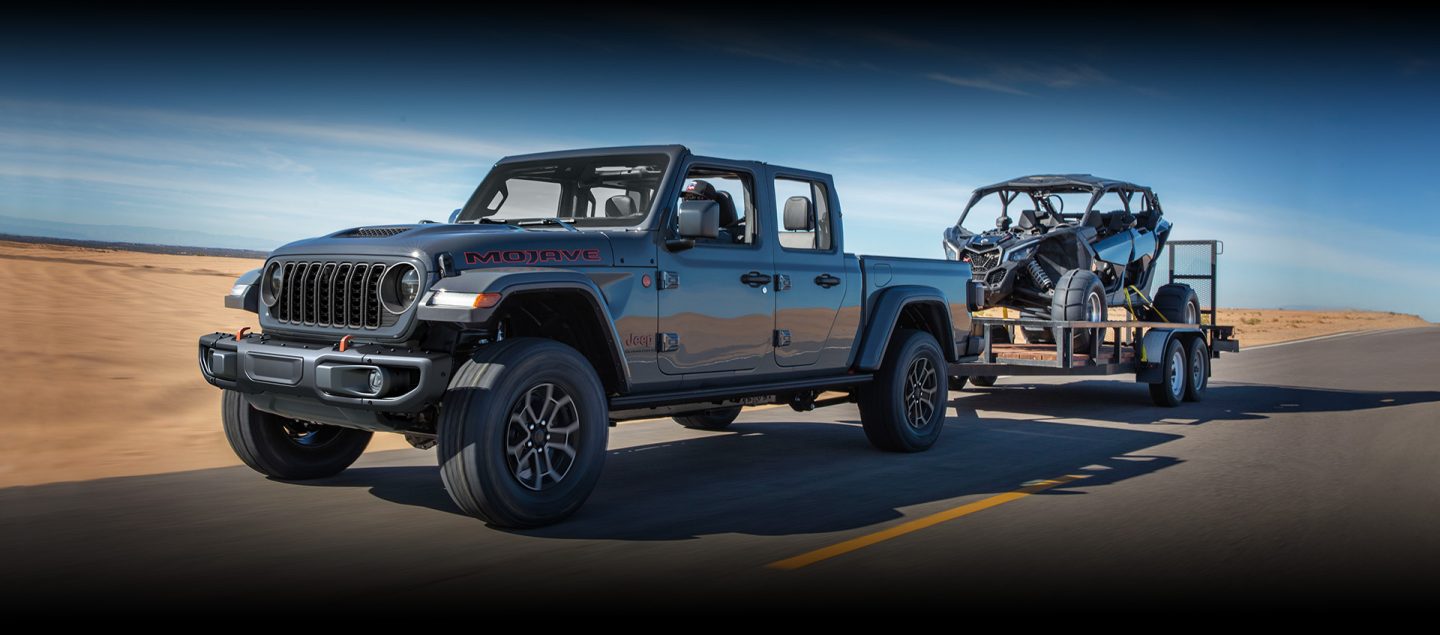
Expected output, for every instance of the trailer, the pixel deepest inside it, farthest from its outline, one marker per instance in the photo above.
(1174, 359)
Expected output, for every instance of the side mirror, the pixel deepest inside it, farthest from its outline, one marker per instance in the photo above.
(699, 219)
(454, 216)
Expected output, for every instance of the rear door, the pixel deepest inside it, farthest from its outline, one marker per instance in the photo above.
(809, 265)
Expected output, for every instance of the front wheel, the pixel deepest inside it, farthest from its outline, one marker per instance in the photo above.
(288, 449)
(522, 433)
(903, 408)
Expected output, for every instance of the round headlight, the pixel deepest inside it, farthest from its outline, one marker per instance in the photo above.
(399, 288)
(271, 282)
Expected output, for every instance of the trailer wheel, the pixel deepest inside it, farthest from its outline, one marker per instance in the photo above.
(717, 419)
(903, 408)
(1171, 389)
(984, 381)
(288, 449)
(522, 433)
(1197, 377)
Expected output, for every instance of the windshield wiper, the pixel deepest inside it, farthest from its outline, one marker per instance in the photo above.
(482, 219)
(545, 220)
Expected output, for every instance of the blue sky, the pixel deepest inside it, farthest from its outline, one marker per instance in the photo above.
(1309, 152)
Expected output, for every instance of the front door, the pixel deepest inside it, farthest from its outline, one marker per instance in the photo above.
(717, 308)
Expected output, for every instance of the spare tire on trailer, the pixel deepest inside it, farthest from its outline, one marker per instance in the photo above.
(1177, 304)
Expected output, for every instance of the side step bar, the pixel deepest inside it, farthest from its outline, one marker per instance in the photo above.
(700, 395)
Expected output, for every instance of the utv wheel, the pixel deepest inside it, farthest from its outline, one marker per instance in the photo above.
(1177, 304)
(1197, 377)
(903, 408)
(717, 419)
(1079, 297)
(288, 449)
(984, 381)
(522, 433)
(1171, 389)
(957, 384)
(1038, 336)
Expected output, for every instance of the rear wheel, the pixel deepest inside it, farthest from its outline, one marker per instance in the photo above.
(1197, 377)
(903, 408)
(717, 419)
(1177, 304)
(288, 449)
(1171, 389)
(1079, 297)
(984, 381)
(522, 433)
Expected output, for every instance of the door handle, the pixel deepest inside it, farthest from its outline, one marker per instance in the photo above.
(755, 279)
(826, 280)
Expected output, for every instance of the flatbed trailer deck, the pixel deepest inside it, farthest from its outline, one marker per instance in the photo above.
(1139, 348)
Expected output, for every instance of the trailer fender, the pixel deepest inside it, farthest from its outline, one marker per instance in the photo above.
(1152, 347)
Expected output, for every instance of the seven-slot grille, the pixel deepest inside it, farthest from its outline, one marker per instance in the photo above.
(982, 260)
(334, 294)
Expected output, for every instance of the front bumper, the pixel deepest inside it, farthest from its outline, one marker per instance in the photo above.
(290, 372)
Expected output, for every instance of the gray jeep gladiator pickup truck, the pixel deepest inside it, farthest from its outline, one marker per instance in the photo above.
(576, 289)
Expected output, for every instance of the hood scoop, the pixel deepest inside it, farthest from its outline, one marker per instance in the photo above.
(376, 232)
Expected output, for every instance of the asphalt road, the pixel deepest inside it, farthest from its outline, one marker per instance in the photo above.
(1310, 474)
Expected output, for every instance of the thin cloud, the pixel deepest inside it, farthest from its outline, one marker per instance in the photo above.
(977, 83)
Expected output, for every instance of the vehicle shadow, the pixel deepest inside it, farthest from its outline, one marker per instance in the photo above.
(791, 477)
(1122, 402)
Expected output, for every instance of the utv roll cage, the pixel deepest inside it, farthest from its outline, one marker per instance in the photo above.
(1041, 186)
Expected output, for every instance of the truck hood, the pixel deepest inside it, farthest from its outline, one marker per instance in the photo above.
(469, 246)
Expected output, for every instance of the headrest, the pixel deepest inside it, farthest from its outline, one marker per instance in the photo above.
(799, 216)
(1028, 219)
(619, 206)
(699, 191)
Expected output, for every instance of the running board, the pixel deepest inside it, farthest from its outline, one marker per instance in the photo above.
(725, 393)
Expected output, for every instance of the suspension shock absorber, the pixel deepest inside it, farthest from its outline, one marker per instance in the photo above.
(1038, 275)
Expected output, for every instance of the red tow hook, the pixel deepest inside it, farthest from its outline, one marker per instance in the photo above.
(240, 334)
(345, 343)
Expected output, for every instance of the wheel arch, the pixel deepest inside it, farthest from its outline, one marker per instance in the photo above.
(561, 305)
(905, 307)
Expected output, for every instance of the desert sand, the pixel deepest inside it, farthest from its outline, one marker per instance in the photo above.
(100, 377)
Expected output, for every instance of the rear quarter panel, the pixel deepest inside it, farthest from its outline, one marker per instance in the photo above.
(947, 276)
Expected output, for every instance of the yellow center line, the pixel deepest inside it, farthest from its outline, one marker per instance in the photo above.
(853, 544)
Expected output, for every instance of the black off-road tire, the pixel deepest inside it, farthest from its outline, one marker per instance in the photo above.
(1171, 389)
(984, 381)
(717, 419)
(1197, 367)
(1038, 336)
(477, 433)
(1079, 297)
(1177, 304)
(903, 408)
(288, 449)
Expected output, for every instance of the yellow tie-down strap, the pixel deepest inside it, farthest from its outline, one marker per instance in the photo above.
(1130, 306)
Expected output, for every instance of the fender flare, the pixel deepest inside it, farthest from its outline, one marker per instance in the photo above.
(511, 283)
(882, 321)
(1152, 347)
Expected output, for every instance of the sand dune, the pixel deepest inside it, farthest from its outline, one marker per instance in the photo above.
(100, 377)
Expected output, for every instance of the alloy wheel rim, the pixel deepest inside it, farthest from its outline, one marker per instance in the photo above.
(921, 385)
(542, 437)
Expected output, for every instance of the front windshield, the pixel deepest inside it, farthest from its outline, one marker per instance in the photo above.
(607, 191)
(982, 217)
